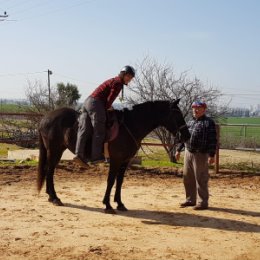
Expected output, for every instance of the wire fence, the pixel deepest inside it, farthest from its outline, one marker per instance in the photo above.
(240, 136)
(19, 128)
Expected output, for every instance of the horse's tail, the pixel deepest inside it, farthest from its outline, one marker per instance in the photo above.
(41, 164)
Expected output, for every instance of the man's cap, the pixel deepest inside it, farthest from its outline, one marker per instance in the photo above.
(199, 103)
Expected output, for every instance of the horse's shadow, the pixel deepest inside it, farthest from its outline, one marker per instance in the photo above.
(177, 219)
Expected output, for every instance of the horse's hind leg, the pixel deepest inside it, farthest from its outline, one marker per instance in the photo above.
(53, 159)
(119, 182)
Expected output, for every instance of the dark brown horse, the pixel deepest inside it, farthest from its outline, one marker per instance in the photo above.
(58, 131)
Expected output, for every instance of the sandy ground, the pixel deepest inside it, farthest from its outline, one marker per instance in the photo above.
(234, 157)
(153, 228)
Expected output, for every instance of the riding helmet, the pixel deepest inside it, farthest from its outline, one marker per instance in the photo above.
(128, 70)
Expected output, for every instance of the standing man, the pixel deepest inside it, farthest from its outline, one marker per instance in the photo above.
(200, 151)
(95, 107)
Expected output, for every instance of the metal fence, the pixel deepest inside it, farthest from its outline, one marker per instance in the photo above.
(240, 136)
(245, 137)
(19, 128)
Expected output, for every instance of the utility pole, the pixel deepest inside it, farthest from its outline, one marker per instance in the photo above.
(49, 86)
(3, 17)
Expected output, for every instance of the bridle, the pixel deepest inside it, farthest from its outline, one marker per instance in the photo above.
(180, 127)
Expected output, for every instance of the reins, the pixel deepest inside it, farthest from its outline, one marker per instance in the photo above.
(138, 146)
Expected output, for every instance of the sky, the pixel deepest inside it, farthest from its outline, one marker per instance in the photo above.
(87, 42)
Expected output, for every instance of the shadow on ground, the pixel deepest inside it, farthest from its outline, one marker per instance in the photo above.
(176, 219)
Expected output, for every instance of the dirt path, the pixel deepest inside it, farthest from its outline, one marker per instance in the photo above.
(154, 227)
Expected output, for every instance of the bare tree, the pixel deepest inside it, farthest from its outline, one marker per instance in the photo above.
(39, 102)
(38, 97)
(156, 81)
(61, 96)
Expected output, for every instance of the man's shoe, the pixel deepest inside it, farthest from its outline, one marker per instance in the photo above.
(77, 159)
(200, 207)
(107, 160)
(187, 204)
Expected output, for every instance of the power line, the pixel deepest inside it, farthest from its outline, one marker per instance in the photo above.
(18, 4)
(241, 94)
(59, 9)
(21, 74)
(236, 89)
(72, 78)
(42, 3)
(53, 75)
(4, 1)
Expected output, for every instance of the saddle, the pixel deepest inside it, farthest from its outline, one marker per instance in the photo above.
(112, 126)
(112, 129)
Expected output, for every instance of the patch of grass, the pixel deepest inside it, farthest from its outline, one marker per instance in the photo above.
(4, 148)
(9, 108)
(240, 130)
(13, 108)
(241, 120)
(156, 156)
(241, 166)
(156, 163)
(18, 163)
(246, 136)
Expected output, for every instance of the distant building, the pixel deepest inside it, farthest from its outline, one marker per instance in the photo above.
(238, 112)
(255, 110)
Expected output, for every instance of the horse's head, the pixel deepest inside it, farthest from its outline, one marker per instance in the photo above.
(174, 122)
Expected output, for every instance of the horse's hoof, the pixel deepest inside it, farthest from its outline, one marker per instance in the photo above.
(110, 211)
(57, 202)
(122, 208)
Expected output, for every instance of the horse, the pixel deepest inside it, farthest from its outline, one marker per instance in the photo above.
(58, 132)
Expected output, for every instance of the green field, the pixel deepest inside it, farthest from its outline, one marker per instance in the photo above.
(241, 120)
(245, 131)
(245, 135)
(13, 108)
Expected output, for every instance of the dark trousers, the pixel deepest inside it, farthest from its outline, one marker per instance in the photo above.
(196, 177)
(95, 109)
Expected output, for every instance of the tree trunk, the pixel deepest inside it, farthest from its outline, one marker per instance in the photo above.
(171, 155)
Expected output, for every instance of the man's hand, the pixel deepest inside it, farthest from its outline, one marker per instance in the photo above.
(110, 109)
(211, 160)
(177, 155)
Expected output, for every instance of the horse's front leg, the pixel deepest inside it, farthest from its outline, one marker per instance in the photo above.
(113, 171)
(119, 182)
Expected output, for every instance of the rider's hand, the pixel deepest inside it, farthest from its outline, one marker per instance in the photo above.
(177, 155)
(110, 109)
(211, 160)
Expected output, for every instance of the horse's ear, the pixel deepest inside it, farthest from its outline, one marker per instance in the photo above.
(176, 102)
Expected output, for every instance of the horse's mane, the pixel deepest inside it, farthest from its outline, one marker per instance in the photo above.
(148, 108)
